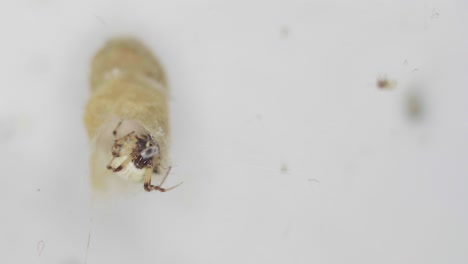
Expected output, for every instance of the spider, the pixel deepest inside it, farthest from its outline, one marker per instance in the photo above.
(135, 157)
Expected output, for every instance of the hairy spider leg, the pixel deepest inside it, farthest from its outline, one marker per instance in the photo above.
(121, 166)
(149, 187)
(114, 132)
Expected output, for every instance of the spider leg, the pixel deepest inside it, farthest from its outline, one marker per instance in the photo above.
(117, 151)
(114, 132)
(149, 187)
(165, 177)
(121, 166)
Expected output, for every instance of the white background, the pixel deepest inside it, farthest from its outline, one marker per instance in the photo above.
(288, 151)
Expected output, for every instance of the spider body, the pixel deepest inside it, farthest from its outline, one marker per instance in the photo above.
(128, 157)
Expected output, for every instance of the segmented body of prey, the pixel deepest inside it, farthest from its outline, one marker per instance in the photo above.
(126, 116)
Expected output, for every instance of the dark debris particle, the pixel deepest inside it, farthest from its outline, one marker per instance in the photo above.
(385, 84)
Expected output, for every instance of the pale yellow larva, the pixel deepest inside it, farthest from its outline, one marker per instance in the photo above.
(126, 116)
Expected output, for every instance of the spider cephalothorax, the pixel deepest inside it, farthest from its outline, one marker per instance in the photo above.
(135, 158)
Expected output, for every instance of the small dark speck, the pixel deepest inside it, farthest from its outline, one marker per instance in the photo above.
(284, 32)
(312, 180)
(405, 62)
(385, 84)
(259, 117)
(284, 168)
(38, 190)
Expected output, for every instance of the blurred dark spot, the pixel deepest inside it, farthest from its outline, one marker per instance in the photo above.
(284, 32)
(284, 168)
(414, 106)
